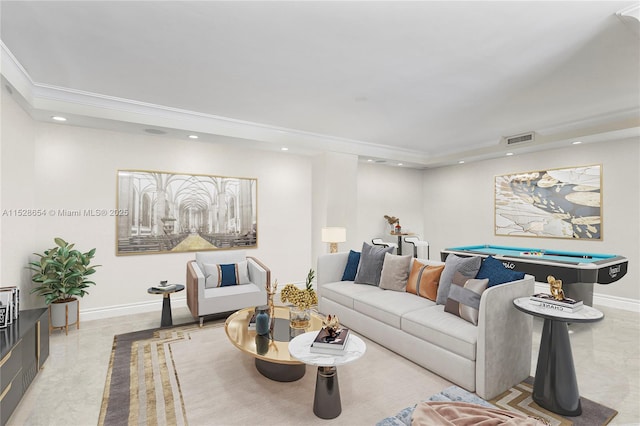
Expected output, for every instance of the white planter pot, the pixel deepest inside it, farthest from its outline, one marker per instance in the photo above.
(64, 314)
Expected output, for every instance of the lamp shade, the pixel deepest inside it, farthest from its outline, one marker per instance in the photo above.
(334, 235)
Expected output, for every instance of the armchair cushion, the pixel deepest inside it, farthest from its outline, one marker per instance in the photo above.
(221, 275)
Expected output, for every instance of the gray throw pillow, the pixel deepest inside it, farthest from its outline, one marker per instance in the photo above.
(371, 261)
(467, 266)
(395, 272)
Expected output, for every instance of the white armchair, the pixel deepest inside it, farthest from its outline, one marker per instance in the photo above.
(207, 292)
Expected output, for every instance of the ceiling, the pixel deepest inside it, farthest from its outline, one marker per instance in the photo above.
(421, 82)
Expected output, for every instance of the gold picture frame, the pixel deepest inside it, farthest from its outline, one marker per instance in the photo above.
(163, 212)
(552, 203)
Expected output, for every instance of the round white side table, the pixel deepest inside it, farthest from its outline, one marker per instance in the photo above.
(326, 402)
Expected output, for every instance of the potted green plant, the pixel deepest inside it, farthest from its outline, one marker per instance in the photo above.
(61, 277)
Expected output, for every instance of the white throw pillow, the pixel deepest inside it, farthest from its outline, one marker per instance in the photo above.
(214, 277)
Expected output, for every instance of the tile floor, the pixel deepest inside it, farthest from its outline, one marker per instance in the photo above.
(68, 391)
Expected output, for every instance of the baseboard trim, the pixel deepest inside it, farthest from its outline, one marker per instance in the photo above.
(602, 299)
(129, 309)
(151, 306)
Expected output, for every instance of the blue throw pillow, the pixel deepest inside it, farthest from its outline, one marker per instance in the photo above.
(229, 275)
(351, 269)
(493, 269)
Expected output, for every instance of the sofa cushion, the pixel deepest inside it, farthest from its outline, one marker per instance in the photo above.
(371, 260)
(388, 306)
(343, 292)
(436, 326)
(423, 280)
(351, 269)
(395, 271)
(222, 275)
(217, 257)
(494, 270)
(464, 297)
(467, 266)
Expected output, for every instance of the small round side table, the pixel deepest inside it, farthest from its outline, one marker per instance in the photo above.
(326, 402)
(555, 387)
(166, 320)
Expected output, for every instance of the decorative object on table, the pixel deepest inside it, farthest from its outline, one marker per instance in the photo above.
(555, 287)
(553, 203)
(163, 286)
(331, 339)
(392, 220)
(9, 305)
(331, 324)
(252, 321)
(546, 300)
(556, 300)
(262, 320)
(271, 291)
(172, 231)
(61, 278)
(302, 300)
(333, 236)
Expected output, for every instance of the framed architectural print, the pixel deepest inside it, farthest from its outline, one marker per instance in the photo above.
(554, 203)
(161, 212)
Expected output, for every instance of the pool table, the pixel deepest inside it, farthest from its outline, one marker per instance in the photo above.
(579, 271)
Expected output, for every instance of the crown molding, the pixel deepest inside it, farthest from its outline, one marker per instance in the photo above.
(109, 112)
(48, 98)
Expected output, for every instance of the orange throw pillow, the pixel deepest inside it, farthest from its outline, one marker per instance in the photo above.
(423, 280)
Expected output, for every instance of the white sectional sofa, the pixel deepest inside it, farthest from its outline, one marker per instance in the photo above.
(487, 359)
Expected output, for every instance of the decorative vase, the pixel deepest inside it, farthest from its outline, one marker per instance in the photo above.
(262, 320)
(299, 317)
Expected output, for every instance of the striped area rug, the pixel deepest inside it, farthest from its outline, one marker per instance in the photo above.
(519, 398)
(143, 363)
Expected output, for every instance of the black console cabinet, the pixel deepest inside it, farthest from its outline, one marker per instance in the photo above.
(24, 347)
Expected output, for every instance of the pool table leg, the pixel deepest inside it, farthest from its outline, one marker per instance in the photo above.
(579, 291)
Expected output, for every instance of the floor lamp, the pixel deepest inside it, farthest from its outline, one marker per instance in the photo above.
(333, 236)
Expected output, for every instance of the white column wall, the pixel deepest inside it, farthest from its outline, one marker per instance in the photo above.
(393, 191)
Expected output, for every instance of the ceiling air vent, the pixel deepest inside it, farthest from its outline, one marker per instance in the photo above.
(518, 139)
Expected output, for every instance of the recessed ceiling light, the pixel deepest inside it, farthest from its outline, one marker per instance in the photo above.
(576, 142)
(284, 148)
(461, 162)
(193, 136)
(400, 164)
(509, 154)
(370, 160)
(58, 118)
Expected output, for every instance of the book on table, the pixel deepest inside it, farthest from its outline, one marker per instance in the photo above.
(252, 321)
(548, 301)
(166, 287)
(326, 343)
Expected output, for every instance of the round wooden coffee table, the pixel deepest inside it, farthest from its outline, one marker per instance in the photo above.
(271, 352)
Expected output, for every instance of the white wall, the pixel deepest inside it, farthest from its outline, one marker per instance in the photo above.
(393, 191)
(459, 205)
(66, 167)
(17, 191)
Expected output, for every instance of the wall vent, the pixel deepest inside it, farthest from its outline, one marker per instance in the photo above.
(518, 139)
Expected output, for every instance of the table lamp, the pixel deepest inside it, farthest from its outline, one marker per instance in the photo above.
(333, 236)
